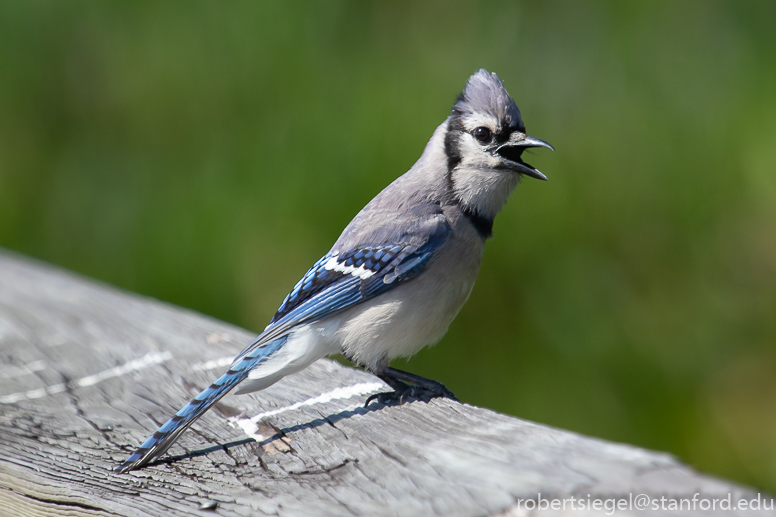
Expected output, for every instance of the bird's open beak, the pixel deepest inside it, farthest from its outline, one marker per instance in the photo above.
(511, 151)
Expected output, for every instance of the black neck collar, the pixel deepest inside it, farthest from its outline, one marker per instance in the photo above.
(483, 225)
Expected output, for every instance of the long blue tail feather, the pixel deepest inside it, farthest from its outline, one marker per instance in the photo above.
(158, 443)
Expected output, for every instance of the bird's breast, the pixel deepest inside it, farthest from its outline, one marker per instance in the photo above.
(413, 315)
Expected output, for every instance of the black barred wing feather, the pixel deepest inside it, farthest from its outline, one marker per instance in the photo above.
(359, 264)
(341, 280)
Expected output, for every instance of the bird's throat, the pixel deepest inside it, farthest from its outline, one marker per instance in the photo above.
(483, 191)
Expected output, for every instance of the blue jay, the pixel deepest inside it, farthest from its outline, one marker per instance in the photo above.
(401, 270)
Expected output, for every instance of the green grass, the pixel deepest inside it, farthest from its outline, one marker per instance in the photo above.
(208, 153)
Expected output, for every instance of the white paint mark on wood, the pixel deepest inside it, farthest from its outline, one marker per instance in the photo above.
(216, 338)
(33, 394)
(12, 372)
(215, 363)
(90, 380)
(138, 364)
(250, 425)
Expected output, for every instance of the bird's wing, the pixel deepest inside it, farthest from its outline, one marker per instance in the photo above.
(342, 279)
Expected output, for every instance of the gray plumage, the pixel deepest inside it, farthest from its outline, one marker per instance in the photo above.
(401, 270)
(484, 93)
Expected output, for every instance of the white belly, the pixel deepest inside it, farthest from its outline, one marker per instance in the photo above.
(405, 319)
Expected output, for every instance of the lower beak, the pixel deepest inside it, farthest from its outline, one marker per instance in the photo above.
(511, 154)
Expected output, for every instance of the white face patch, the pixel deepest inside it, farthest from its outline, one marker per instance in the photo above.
(475, 120)
(477, 181)
(333, 265)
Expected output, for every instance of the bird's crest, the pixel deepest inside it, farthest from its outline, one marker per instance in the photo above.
(485, 94)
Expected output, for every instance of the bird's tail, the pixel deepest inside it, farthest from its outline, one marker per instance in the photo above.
(158, 443)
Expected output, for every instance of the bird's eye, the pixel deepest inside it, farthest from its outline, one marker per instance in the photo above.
(482, 134)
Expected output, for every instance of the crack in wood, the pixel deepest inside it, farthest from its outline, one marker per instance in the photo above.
(60, 502)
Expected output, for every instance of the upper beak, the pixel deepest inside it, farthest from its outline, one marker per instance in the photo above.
(512, 150)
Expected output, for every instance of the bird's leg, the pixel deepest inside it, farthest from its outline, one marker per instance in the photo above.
(419, 388)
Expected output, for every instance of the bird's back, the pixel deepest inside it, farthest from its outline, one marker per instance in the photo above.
(396, 212)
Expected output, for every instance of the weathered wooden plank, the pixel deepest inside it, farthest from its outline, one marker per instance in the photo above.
(87, 372)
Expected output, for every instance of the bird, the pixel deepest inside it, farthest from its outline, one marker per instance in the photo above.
(400, 271)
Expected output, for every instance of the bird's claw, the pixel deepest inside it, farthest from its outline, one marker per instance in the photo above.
(382, 398)
(417, 392)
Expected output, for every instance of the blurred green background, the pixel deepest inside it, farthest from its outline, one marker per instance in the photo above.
(208, 153)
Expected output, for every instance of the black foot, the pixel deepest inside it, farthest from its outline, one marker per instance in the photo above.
(420, 389)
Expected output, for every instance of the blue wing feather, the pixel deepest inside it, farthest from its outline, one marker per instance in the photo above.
(333, 285)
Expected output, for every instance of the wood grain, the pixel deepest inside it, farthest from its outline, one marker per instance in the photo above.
(87, 372)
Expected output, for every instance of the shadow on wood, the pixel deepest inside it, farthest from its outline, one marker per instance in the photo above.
(88, 372)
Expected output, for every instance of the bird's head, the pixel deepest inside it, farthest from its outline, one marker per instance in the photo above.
(484, 144)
